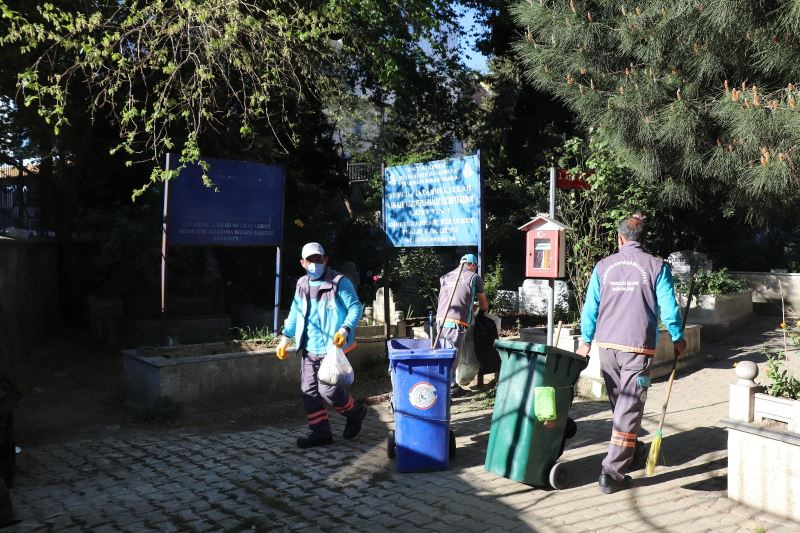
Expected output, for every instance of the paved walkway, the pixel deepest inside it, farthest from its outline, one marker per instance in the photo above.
(258, 480)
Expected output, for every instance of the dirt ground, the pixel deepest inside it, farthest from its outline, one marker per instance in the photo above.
(72, 388)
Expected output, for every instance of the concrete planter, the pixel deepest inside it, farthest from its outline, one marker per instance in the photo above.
(224, 377)
(766, 407)
(720, 314)
(763, 462)
(207, 379)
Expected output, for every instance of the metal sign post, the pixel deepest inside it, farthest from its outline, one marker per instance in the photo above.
(551, 301)
(277, 289)
(164, 259)
(387, 328)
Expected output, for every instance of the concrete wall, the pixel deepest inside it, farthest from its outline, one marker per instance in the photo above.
(29, 297)
(766, 289)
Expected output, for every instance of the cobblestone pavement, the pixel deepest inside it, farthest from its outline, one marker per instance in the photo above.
(258, 480)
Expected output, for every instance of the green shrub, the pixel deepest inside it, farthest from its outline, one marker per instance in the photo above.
(493, 281)
(714, 283)
(782, 383)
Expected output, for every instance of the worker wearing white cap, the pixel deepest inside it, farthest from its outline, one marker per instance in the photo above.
(325, 310)
(455, 319)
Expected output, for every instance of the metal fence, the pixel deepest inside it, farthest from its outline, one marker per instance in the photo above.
(19, 201)
(360, 172)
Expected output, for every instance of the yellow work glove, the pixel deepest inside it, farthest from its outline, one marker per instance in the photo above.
(280, 351)
(340, 337)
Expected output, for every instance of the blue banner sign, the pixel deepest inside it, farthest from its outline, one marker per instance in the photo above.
(433, 204)
(243, 208)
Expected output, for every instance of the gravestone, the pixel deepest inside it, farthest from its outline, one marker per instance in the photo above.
(507, 301)
(686, 263)
(533, 295)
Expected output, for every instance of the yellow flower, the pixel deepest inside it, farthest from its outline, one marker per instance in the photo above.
(783, 325)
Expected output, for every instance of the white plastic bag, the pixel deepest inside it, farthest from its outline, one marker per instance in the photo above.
(468, 364)
(335, 369)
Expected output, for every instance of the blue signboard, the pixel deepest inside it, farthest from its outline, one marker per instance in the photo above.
(433, 204)
(243, 208)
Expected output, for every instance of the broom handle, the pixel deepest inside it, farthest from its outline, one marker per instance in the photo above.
(675, 358)
(447, 311)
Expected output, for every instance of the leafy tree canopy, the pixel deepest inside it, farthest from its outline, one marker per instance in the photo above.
(688, 93)
(168, 73)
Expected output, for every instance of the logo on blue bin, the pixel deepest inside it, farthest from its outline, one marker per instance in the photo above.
(422, 395)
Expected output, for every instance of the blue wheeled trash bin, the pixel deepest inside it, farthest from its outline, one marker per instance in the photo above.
(422, 439)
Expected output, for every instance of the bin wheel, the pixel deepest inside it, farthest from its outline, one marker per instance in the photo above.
(391, 448)
(452, 444)
(559, 477)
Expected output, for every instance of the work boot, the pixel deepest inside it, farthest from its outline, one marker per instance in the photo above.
(314, 439)
(608, 484)
(353, 425)
(458, 392)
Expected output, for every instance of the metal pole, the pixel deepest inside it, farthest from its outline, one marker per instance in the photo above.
(277, 289)
(278, 268)
(164, 259)
(480, 220)
(387, 330)
(551, 302)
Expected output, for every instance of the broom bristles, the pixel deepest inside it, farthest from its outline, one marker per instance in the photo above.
(652, 457)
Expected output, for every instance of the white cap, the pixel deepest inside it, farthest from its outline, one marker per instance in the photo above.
(312, 248)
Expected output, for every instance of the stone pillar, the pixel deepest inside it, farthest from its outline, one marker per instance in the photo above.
(368, 315)
(400, 321)
(743, 392)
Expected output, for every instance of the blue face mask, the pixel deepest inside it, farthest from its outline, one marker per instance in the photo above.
(315, 270)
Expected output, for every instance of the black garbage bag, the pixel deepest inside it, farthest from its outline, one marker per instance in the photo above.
(484, 337)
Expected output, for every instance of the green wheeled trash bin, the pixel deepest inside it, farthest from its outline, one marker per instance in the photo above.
(526, 440)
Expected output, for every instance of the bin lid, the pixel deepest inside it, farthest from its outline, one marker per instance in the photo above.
(534, 347)
(406, 349)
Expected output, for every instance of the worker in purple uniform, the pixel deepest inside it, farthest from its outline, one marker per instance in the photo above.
(461, 293)
(325, 310)
(628, 292)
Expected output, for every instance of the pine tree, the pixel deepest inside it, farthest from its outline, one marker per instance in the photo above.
(694, 95)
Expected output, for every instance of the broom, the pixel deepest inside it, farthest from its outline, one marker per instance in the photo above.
(655, 446)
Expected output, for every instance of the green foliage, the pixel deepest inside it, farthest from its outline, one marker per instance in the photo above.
(493, 281)
(166, 72)
(782, 383)
(694, 96)
(515, 128)
(177, 76)
(593, 216)
(248, 334)
(421, 266)
(712, 283)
